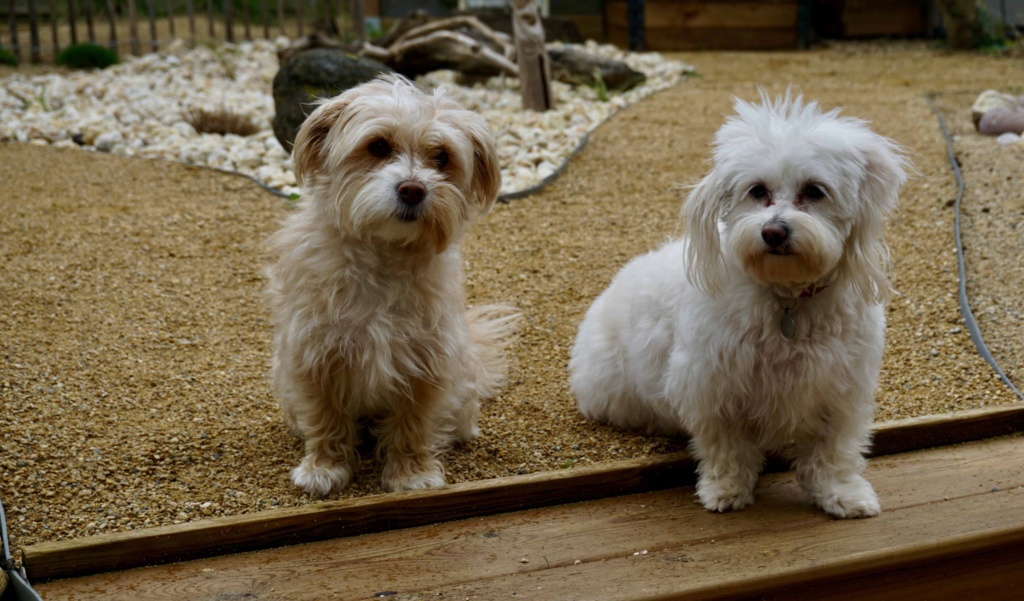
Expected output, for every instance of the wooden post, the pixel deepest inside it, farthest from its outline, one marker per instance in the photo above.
(133, 28)
(635, 19)
(229, 22)
(112, 22)
(12, 19)
(170, 18)
(191, 21)
(357, 13)
(534, 68)
(73, 21)
(55, 38)
(209, 17)
(90, 27)
(247, 17)
(266, 19)
(33, 33)
(154, 41)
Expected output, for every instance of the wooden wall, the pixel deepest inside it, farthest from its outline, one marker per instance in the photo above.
(709, 24)
(840, 19)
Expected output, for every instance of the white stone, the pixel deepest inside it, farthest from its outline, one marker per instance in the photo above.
(990, 99)
(136, 108)
(1008, 138)
(107, 141)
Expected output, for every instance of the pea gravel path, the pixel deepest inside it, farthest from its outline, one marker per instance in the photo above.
(134, 337)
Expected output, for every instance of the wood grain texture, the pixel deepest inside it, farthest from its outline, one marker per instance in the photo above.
(700, 15)
(953, 521)
(664, 40)
(350, 517)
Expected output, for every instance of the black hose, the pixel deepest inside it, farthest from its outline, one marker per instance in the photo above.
(965, 309)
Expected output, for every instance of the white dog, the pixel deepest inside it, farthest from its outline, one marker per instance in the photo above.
(764, 325)
(367, 296)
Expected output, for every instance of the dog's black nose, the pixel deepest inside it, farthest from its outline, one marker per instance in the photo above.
(774, 234)
(411, 193)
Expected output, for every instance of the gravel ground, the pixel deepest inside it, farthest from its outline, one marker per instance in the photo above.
(135, 338)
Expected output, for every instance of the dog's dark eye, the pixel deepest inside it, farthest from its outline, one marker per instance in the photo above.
(759, 192)
(441, 159)
(812, 192)
(380, 148)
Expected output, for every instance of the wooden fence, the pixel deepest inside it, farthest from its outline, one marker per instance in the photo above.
(37, 30)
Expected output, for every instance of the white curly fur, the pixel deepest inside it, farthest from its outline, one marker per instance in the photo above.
(687, 339)
(369, 311)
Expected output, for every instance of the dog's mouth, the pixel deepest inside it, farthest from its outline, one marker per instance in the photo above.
(779, 252)
(408, 214)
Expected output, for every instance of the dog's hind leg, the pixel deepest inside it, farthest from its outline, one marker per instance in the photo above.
(410, 439)
(491, 329)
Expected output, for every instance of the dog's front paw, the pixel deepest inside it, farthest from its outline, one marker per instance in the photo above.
(853, 498)
(427, 479)
(319, 479)
(724, 494)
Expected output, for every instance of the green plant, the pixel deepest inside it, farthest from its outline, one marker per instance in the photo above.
(599, 86)
(87, 56)
(7, 58)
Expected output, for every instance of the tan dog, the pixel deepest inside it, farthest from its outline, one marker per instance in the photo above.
(367, 295)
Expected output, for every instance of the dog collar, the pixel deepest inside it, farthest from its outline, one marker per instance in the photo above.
(811, 290)
(787, 325)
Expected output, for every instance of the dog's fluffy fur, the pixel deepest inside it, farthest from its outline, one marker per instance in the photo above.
(369, 311)
(688, 338)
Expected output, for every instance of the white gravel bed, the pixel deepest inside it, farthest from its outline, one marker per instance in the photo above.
(136, 109)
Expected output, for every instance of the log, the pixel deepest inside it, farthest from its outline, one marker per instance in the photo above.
(448, 50)
(534, 67)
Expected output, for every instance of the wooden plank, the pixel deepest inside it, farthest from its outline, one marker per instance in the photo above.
(714, 39)
(350, 517)
(712, 15)
(896, 20)
(985, 563)
(401, 510)
(901, 436)
(942, 512)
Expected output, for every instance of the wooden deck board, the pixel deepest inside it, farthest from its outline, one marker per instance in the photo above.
(940, 507)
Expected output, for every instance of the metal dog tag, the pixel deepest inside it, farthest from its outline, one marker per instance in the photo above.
(787, 326)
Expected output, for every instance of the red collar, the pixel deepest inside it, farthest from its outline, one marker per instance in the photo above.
(812, 290)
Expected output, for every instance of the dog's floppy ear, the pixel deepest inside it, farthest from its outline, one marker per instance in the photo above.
(486, 180)
(701, 212)
(308, 153)
(867, 254)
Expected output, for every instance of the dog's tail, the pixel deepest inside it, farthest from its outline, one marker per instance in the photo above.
(492, 328)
